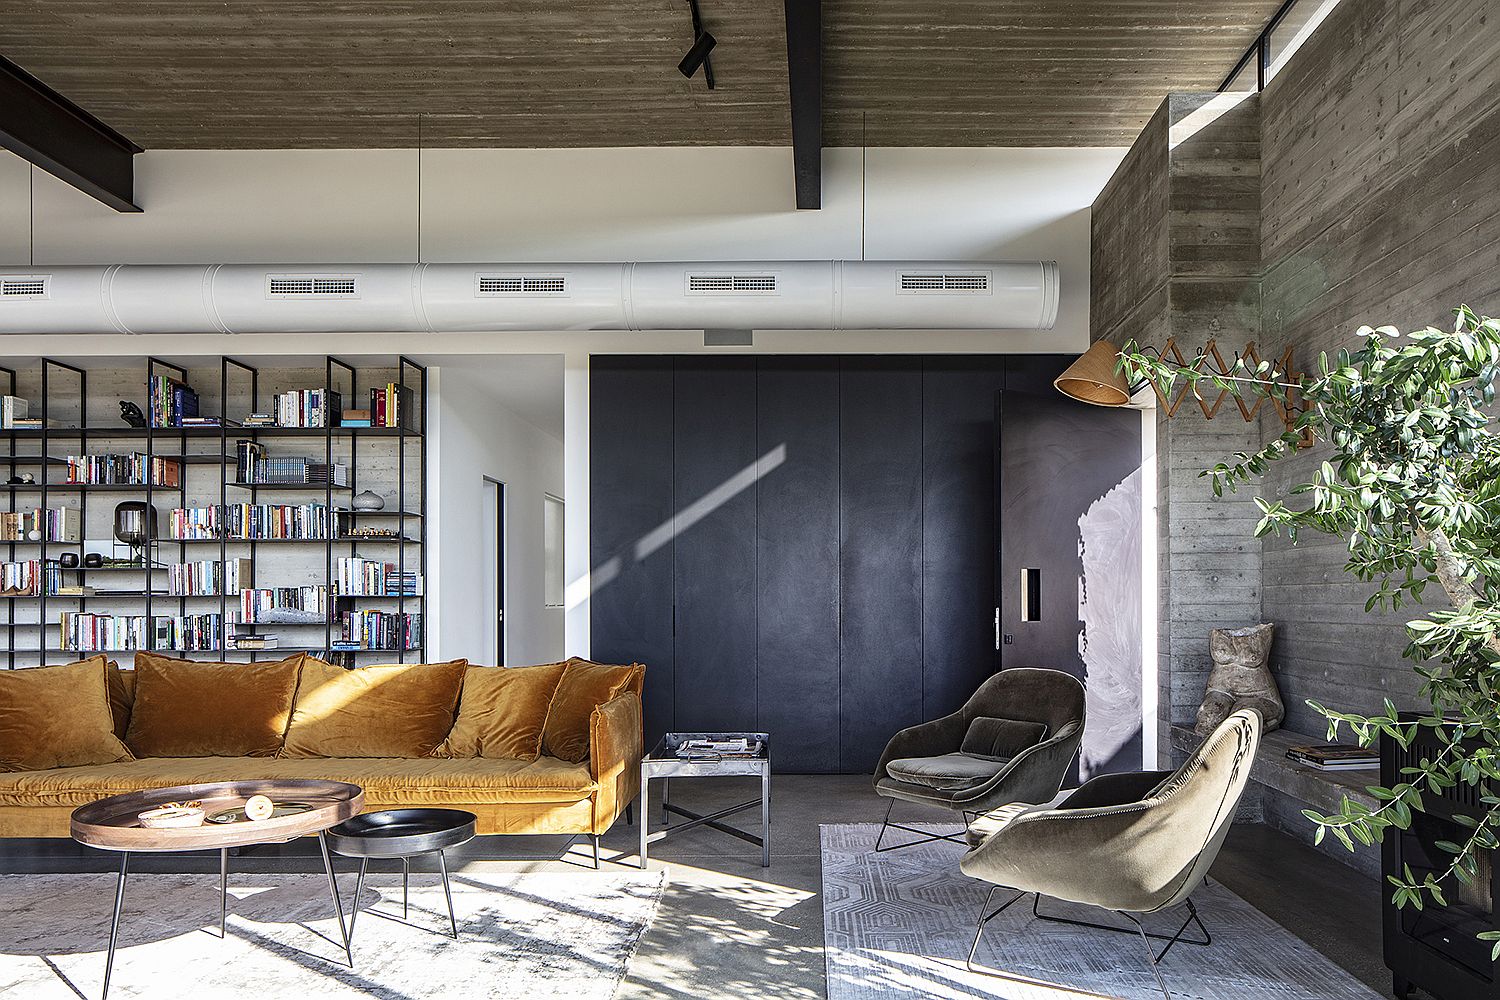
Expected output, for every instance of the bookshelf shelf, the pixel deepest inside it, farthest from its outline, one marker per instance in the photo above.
(389, 459)
(305, 487)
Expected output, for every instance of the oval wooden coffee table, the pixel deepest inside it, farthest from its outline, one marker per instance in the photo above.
(303, 808)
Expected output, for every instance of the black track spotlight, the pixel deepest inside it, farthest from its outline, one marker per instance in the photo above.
(703, 44)
(697, 55)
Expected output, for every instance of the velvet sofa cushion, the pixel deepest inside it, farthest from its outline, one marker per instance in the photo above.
(502, 712)
(395, 710)
(949, 771)
(584, 687)
(1001, 739)
(57, 717)
(190, 708)
(121, 697)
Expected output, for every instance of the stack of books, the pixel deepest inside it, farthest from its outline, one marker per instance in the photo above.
(171, 401)
(284, 605)
(307, 408)
(736, 749)
(208, 578)
(392, 407)
(87, 632)
(124, 470)
(1334, 757)
(358, 577)
(13, 408)
(255, 521)
(60, 524)
(251, 466)
(378, 630)
(29, 578)
(250, 640)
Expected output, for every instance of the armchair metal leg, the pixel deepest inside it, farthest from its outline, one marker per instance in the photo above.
(1171, 939)
(927, 836)
(1151, 955)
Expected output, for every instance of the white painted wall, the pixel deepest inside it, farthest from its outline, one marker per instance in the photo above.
(473, 436)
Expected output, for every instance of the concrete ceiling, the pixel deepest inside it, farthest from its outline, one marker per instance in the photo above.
(537, 73)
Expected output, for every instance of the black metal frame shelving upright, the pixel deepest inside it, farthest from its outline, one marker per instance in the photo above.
(411, 451)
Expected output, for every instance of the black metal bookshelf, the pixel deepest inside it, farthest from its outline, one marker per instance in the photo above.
(238, 379)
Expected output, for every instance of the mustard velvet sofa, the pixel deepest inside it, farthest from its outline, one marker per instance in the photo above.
(546, 795)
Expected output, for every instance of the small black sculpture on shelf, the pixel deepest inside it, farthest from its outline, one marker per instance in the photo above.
(68, 560)
(131, 414)
(24, 479)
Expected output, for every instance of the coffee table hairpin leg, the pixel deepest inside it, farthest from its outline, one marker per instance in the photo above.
(333, 890)
(359, 885)
(114, 924)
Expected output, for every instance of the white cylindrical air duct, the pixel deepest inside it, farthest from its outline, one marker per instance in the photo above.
(444, 298)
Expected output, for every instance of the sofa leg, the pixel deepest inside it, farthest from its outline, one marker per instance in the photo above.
(595, 839)
(630, 815)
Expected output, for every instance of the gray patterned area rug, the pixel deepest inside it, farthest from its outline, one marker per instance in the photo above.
(899, 924)
(541, 935)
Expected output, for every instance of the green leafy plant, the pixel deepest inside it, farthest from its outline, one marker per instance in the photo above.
(1413, 488)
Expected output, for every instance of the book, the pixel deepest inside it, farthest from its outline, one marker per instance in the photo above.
(124, 470)
(13, 408)
(169, 401)
(1334, 757)
(392, 407)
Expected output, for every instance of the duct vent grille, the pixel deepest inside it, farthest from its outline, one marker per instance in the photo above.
(307, 286)
(490, 285)
(731, 284)
(930, 282)
(27, 286)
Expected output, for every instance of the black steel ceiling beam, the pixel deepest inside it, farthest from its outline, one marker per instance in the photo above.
(804, 62)
(40, 125)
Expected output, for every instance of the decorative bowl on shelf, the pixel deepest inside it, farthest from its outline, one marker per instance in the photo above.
(367, 500)
(172, 816)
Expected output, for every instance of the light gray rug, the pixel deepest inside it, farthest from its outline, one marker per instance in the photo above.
(543, 935)
(899, 924)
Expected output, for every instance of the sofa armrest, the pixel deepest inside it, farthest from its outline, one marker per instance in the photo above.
(928, 739)
(616, 746)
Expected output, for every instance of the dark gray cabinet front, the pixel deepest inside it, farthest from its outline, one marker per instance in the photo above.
(714, 536)
(630, 524)
(809, 545)
(797, 560)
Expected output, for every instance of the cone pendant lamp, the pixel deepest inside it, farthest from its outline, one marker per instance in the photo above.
(1093, 379)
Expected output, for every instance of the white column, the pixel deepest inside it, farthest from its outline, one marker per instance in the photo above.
(576, 513)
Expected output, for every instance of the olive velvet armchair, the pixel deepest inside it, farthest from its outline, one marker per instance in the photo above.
(1012, 741)
(1132, 843)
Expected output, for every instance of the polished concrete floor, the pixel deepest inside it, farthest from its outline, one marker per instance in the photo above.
(728, 928)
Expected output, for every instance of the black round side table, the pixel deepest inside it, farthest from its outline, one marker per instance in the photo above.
(403, 834)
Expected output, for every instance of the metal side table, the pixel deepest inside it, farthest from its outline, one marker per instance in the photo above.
(665, 763)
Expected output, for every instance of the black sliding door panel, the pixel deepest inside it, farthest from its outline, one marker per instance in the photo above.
(880, 559)
(714, 555)
(797, 560)
(958, 527)
(1071, 515)
(630, 522)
